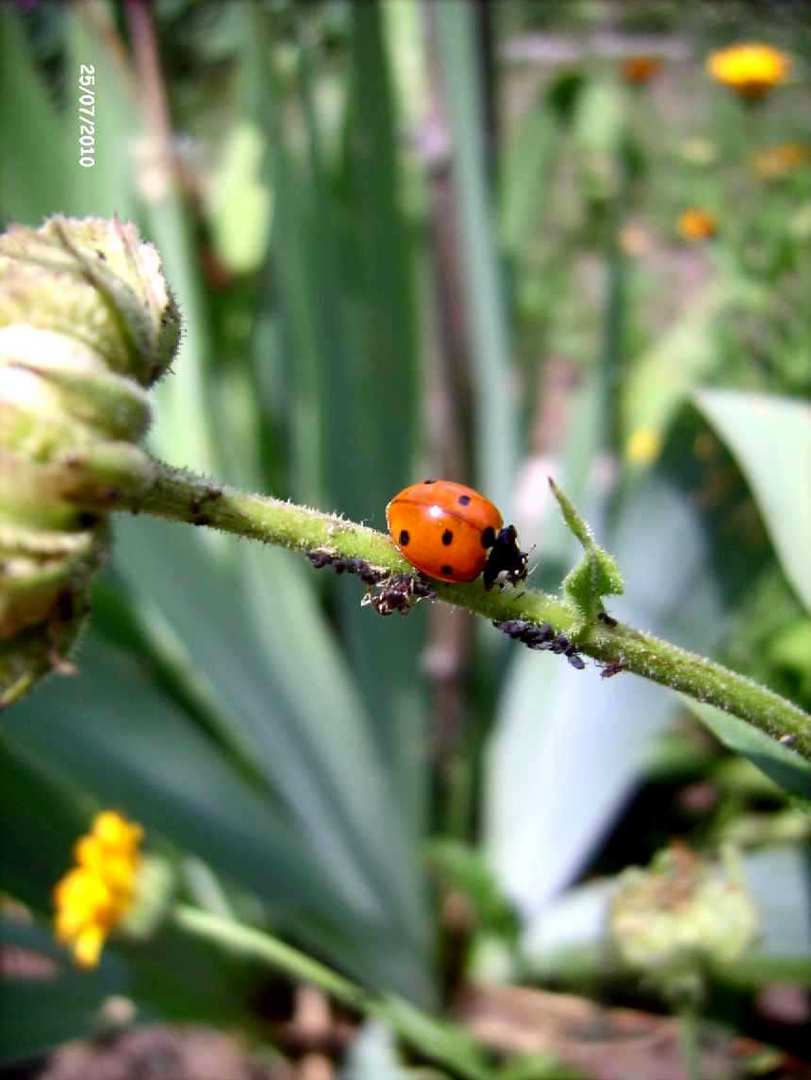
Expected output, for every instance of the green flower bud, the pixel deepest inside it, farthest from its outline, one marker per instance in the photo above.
(670, 922)
(87, 324)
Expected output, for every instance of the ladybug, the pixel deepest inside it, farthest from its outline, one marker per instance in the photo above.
(451, 532)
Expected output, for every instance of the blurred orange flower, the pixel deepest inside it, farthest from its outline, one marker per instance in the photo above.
(97, 893)
(750, 69)
(639, 70)
(697, 224)
(777, 161)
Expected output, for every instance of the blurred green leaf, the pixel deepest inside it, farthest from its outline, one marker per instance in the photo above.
(782, 764)
(658, 383)
(461, 868)
(106, 189)
(32, 175)
(495, 423)
(42, 818)
(41, 1011)
(284, 702)
(137, 752)
(240, 204)
(771, 439)
(529, 160)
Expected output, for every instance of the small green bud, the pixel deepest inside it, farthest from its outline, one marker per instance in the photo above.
(87, 324)
(673, 920)
(154, 896)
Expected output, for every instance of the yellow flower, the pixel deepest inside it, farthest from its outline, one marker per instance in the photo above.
(96, 894)
(639, 70)
(778, 161)
(750, 69)
(697, 224)
(643, 446)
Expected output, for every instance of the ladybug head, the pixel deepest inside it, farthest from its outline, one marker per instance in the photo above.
(505, 558)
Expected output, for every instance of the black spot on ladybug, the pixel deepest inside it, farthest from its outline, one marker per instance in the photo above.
(429, 481)
(447, 570)
(463, 500)
(404, 537)
(447, 538)
(488, 537)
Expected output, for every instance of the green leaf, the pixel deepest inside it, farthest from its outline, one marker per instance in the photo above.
(273, 681)
(32, 173)
(465, 869)
(597, 574)
(495, 414)
(106, 189)
(136, 751)
(39, 1013)
(42, 819)
(661, 379)
(782, 764)
(771, 440)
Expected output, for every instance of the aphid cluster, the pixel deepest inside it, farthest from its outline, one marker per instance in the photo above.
(387, 593)
(542, 637)
(321, 557)
(400, 592)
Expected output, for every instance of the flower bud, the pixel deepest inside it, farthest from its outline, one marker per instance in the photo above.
(673, 920)
(87, 324)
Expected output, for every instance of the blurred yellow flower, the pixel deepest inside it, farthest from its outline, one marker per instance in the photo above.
(776, 162)
(95, 895)
(643, 446)
(697, 224)
(750, 69)
(639, 70)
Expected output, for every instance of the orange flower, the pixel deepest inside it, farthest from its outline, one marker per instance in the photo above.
(97, 893)
(639, 70)
(696, 224)
(777, 161)
(750, 69)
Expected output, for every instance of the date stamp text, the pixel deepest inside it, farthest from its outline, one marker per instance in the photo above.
(87, 115)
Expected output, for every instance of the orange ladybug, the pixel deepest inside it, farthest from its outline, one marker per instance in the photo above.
(451, 532)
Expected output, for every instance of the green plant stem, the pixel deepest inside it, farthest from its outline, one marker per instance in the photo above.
(441, 1042)
(180, 496)
(690, 1042)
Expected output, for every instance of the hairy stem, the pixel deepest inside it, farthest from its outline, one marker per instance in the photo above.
(180, 496)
